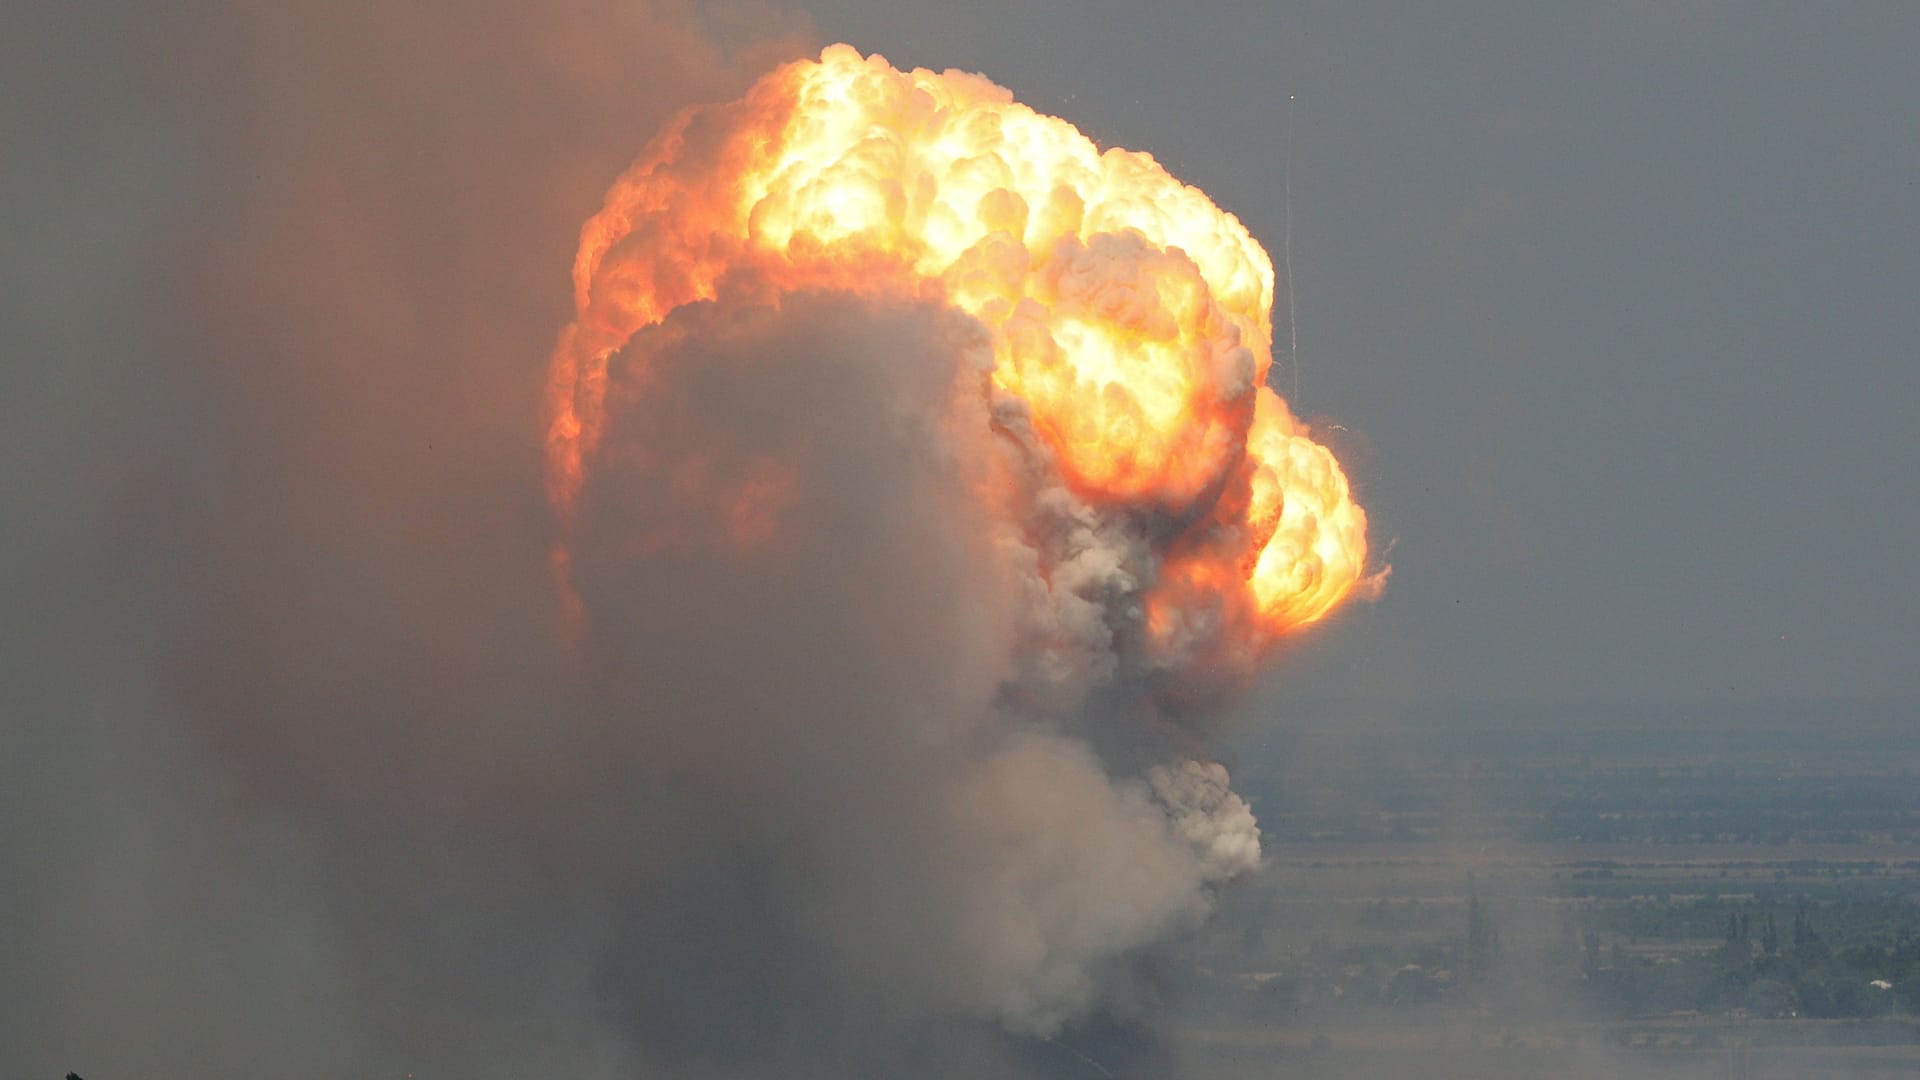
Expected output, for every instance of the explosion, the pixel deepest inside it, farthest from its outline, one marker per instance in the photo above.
(912, 456)
(1129, 318)
(910, 478)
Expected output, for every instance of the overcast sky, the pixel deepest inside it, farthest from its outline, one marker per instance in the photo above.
(1620, 301)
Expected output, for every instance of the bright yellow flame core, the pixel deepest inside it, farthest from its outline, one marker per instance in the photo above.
(1129, 313)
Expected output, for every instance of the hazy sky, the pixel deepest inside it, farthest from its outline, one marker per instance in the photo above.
(1617, 305)
(1617, 301)
(1620, 301)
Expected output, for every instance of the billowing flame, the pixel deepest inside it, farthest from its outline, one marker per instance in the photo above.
(1130, 315)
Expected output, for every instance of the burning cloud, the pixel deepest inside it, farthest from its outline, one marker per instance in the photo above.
(907, 458)
(1126, 326)
(904, 443)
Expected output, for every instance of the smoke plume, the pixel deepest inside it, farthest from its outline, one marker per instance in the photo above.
(795, 695)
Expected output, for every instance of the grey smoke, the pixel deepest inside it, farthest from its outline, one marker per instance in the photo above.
(838, 700)
(302, 776)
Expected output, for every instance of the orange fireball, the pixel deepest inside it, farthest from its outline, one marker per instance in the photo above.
(1130, 315)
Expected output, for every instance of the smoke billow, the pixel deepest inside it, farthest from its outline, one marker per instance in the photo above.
(804, 621)
(836, 751)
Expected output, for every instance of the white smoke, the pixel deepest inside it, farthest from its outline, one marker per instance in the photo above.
(1204, 812)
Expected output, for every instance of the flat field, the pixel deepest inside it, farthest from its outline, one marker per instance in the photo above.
(1585, 896)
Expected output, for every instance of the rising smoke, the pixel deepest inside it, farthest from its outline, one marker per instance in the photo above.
(817, 759)
(825, 678)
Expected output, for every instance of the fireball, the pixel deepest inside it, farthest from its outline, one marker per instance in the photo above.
(1129, 318)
